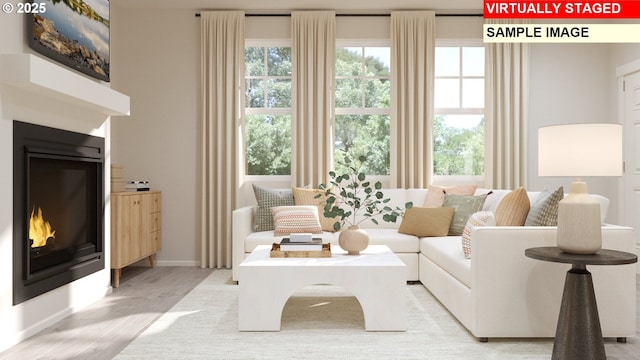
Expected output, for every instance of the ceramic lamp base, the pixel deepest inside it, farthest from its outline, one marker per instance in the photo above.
(579, 224)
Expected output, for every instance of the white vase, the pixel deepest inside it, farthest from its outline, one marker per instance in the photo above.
(353, 240)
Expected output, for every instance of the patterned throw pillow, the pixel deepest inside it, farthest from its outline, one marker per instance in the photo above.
(421, 221)
(481, 218)
(308, 197)
(513, 208)
(544, 212)
(295, 219)
(267, 199)
(464, 206)
(436, 194)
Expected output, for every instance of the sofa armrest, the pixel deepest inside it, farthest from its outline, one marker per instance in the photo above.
(505, 245)
(506, 284)
(242, 227)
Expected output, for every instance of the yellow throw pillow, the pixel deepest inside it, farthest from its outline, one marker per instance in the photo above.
(436, 194)
(422, 222)
(513, 208)
(304, 196)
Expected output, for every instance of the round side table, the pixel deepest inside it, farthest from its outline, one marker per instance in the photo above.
(578, 334)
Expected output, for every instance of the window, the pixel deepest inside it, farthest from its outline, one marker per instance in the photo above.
(362, 96)
(268, 110)
(458, 129)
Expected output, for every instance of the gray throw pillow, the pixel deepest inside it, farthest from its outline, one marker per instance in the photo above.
(544, 211)
(268, 199)
(464, 207)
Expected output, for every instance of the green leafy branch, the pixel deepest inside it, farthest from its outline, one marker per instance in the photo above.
(350, 195)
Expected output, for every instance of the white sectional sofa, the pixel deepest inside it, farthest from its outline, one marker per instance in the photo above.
(498, 292)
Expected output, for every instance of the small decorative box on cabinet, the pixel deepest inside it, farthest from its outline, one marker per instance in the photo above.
(135, 229)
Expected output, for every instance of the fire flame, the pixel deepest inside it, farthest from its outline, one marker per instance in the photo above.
(39, 229)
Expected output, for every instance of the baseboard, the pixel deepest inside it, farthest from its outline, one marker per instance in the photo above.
(145, 262)
(178, 263)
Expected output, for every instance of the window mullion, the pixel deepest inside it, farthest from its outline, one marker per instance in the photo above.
(363, 77)
(265, 92)
(460, 82)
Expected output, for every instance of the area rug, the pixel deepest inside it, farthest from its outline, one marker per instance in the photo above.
(318, 322)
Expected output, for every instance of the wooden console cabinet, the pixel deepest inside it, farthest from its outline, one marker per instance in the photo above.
(135, 229)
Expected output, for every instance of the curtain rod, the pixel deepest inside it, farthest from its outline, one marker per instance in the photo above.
(363, 15)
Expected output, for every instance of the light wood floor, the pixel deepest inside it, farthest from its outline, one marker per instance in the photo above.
(102, 330)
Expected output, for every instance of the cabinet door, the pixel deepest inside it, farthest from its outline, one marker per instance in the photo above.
(128, 230)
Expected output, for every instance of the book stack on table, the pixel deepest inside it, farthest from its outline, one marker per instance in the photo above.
(300, 245)
(295, 244)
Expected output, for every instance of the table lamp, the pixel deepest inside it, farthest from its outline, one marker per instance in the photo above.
(580, 150)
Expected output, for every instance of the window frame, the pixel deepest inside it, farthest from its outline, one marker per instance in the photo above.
(266, 43)
(351, 43)
(385, 179)
(461, 179)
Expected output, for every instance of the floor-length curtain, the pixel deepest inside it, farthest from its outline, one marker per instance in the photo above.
(313, 74)
(412, 73)
(506, 103)
(222, 67)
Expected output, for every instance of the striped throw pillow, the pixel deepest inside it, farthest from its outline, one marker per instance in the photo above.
(513, 208)
(544, 211)
(295, 219)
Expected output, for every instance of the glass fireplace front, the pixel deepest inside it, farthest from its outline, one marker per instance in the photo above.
(58, 208)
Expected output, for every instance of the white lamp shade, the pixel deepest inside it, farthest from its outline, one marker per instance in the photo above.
(580, 150)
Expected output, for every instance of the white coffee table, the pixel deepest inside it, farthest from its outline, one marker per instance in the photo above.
(376, 277)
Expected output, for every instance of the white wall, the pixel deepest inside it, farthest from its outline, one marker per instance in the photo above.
(156, 62)
(23, 320)
(569, 84)
(584, 89)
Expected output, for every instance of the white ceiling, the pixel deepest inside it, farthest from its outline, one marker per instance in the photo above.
(285, 6)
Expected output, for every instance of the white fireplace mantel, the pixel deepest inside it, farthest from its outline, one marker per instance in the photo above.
(42, 77)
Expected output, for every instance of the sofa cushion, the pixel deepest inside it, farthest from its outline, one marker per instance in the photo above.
(447, 253)
(304, 196)
(296, 219)
(481, 218)
(421, 221)
(436, 194)
(464, 206)
(544, 212)
(513, 208)
(604, 206)
(267, 199)
(398, 243)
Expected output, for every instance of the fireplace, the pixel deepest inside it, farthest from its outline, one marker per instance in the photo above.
(58, 208)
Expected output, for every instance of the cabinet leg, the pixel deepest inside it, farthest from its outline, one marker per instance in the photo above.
(116, 277)
(152, 261)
